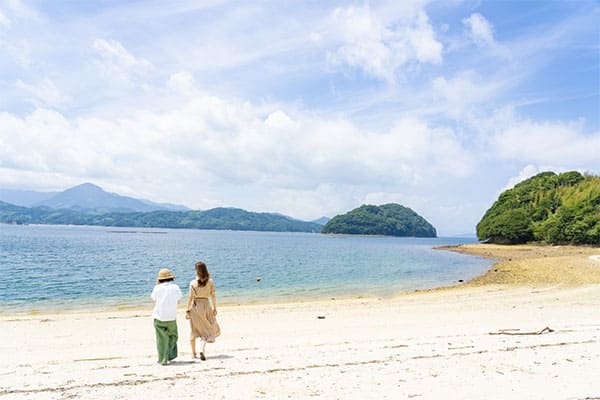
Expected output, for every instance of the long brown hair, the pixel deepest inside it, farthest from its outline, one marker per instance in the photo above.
(202, 273)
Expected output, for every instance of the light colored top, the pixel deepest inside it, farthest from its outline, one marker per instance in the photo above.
(202, 292)
(166, 296)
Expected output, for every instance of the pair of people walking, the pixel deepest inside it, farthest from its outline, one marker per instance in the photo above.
(202, 317)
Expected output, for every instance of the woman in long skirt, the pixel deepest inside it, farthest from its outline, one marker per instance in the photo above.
(202, 316)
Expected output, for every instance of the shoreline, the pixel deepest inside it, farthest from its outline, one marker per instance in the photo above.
(487, 339)
(147, 307)
(515, 265)
(534, 265)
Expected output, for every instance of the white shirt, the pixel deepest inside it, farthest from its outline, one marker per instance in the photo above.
(166, 295)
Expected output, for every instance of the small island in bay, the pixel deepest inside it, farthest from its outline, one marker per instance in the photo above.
(548, 208)
(388, 219)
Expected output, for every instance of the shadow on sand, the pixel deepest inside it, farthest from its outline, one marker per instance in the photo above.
(219, 357)
(208, 358)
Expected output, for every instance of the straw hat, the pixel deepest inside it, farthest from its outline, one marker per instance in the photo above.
(165, 273)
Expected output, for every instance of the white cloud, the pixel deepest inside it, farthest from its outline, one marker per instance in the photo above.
(21, 10)
(117, 62)
(423, 40)
(15, 46)
(43, 93)
(4, 21)
(182, 82)
(278, 120)
(114, 51)
(417, 151)
(460, 95)
(480, 30)
(215, 149)
(527, 172)
(379, 47)
(548, 143)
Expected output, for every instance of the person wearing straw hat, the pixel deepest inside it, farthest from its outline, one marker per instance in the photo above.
(166, 295)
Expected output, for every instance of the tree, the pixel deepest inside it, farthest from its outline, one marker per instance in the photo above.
(548, 207)
(388, 219)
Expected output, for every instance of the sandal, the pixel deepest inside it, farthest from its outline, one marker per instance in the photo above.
(202, 356)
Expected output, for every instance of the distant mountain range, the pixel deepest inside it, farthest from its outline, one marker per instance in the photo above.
(86, 197)
(89, 204)
(216, 218)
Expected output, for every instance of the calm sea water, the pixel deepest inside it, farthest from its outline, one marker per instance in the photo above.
(55, 267)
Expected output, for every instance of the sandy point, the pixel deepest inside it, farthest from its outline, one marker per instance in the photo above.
(535, 264)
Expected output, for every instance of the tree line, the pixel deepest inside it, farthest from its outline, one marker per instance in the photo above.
(549, 207)
(217, 218)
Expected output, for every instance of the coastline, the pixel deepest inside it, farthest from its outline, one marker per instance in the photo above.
(517, 265)
(480, 339)
(531, 264)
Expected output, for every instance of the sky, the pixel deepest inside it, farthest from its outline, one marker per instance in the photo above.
(305, 108)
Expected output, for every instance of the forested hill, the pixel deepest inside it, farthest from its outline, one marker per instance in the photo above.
(548, 208)
(388, 219)
(217, 218)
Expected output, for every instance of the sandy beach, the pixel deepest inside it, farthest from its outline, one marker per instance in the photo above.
(528, 329)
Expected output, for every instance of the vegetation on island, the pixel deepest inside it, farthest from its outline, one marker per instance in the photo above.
(549, 208)
(217, 218)
(388, 219)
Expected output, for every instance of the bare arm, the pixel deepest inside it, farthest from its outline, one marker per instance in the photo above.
(190, 299)
(214, 300)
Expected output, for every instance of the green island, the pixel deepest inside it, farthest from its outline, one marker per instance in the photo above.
(549, 208)
(216, 218)
(388, 219)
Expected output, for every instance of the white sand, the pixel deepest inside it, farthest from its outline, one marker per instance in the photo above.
(434, 345)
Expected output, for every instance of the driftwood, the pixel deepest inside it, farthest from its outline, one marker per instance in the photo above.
(515, 332)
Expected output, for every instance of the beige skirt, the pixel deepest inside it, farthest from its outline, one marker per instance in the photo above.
(203, 323)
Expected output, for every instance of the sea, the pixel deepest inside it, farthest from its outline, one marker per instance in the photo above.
(56, 267)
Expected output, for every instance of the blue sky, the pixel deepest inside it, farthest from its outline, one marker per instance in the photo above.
(303, 108)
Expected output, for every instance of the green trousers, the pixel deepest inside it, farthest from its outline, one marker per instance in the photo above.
(166, 340)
